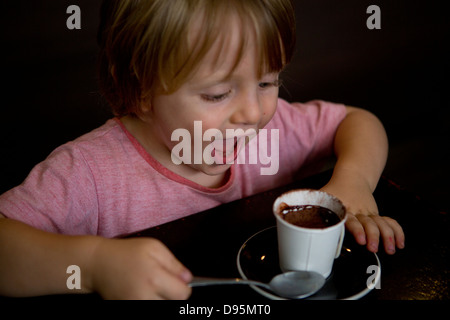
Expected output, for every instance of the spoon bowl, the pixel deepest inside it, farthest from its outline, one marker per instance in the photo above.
(292, 284)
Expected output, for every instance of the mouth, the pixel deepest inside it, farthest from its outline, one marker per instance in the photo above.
(226, 150)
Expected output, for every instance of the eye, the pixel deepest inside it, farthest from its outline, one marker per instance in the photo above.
(277, 83)
(215, 98)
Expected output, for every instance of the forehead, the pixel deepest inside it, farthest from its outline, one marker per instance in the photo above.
(232, 48)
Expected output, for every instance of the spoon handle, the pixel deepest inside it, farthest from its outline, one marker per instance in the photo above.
(206, 281)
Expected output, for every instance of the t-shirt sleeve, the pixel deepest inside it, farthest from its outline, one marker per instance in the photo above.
(59, 195)
(308, 129)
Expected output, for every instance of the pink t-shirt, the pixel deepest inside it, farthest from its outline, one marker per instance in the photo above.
(105, 183)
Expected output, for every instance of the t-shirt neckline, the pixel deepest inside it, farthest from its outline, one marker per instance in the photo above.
(156, 165)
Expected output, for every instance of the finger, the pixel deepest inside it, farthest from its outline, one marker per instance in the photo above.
(398, 232)
(168, 287)
(387, 234)
(356, 229)
(166, 258)
(371, 230)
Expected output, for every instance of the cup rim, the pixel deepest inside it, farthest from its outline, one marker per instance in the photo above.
(314, 230)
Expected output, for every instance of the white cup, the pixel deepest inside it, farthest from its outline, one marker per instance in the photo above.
(311, 249)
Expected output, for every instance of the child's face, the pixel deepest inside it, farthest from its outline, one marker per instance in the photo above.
(218, 99)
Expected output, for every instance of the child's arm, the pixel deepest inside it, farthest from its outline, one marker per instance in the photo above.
(361, 148)
(34, 262)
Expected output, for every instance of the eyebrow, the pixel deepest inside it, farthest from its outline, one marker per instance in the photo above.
(203, 82)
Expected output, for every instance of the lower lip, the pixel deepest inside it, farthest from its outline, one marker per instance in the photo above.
(227, 158)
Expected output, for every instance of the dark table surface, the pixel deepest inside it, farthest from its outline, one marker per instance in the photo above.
(208, 243)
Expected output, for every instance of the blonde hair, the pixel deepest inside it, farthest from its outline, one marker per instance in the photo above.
(144, 43)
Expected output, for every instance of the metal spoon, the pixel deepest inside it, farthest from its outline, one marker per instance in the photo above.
(292, 284)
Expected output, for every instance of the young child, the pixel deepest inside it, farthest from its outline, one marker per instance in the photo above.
(166, 66)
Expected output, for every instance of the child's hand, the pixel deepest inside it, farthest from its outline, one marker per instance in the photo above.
(361, 148)
(363, 219)
(141, 268)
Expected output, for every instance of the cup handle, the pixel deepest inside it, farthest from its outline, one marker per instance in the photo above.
(341, 240)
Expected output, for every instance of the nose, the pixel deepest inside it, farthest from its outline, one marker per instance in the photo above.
(248, 110)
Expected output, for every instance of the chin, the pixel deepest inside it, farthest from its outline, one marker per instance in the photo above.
(215, 169)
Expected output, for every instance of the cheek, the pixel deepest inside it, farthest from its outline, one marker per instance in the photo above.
(269, 109)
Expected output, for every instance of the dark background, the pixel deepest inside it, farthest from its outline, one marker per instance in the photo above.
(400, 73)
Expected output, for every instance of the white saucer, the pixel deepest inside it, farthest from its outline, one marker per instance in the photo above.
(353, 276)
